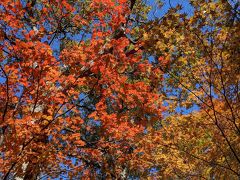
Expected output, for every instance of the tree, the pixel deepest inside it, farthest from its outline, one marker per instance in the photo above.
(199, 55)
(96, 89)
(76, 92)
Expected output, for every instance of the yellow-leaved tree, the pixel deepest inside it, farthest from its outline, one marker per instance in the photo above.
(199, 55)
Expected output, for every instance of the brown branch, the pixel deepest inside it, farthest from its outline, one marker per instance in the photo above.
(7, 91)
(217, 123)
(37, 96)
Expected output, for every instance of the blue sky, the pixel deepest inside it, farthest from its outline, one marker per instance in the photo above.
(167, 4)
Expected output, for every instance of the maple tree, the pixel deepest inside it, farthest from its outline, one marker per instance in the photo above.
(198, 52)
(81, 99)
(75, 89)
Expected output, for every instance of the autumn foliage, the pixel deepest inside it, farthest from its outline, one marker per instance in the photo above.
(95, 89)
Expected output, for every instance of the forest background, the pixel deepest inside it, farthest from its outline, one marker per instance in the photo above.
(123, 89)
